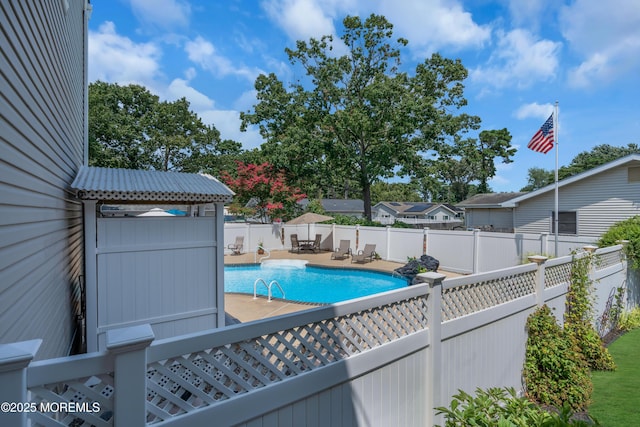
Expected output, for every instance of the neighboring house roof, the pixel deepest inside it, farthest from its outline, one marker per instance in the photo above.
(488, 200)
(414, 208)
(110, 184)
(591, 172)
(338, 205)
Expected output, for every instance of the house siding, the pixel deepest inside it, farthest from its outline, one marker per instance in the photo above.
(500, 219)
(600, 201)
(41, 149)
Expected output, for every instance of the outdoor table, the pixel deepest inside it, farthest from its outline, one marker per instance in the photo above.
(306, 244)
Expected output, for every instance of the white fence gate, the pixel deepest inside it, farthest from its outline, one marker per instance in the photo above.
(160, 271)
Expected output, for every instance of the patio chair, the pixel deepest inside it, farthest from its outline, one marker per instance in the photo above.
(295, 244)
(367, 254)
(236, 248)
(343, 251)
(315, 246)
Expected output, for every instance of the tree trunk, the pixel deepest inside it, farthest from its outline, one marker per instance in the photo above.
(366, 196)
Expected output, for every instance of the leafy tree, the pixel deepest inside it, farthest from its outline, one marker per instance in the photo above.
(130, 128)
(393, 192)
(177, 138)
(357, 116)
(118, 119)
(492, 144)
(538, 178)
(315, 206)
(261, 190)
(599, 155)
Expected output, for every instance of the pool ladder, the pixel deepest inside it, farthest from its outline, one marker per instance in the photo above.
(269, 286)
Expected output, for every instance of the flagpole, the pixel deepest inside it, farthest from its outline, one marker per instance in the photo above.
(555, 137)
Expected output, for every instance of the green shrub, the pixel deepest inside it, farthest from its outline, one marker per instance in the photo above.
(630, 319)
(625, 230)
(502, 408)
(555, 372)
(579, 314)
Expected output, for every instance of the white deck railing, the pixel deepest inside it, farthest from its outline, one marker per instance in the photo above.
(239, 373)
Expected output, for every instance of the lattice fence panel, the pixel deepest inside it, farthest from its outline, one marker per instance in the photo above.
(557, 275)
(467, 299)
(93, 397)
(184, 383)
(609, 259)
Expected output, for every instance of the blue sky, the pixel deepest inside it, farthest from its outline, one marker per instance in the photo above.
(522, 57)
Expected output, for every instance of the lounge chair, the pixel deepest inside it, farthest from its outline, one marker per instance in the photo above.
(367, 254)
(236, 248)
(343, 251)
(295, 244)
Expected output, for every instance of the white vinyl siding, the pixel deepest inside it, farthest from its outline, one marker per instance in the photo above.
(41, 149)
(599, 201)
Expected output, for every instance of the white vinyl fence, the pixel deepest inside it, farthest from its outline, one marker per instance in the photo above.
(458, 251)
(383, 360)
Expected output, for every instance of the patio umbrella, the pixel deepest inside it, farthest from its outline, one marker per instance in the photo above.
(156, 212)
(309, 218)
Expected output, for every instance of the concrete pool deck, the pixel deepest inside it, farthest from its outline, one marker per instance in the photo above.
(244, 308)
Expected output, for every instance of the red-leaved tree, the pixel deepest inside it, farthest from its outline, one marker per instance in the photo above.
(262, 191)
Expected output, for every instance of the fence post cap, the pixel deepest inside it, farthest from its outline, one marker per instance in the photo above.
(130, 338)
(538, 259)
(590, 248)
(431, 277)
(18, 355)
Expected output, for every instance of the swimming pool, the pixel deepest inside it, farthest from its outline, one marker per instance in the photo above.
(310, 284)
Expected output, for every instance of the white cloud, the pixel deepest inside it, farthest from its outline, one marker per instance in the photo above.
(165, 14)
(434, 24)
(179, 88)
(534, 110)
(519, 60)
(246, 100)
(300, 19)
(528, 14)
(114, 58)
(204, 53)
(606, 35)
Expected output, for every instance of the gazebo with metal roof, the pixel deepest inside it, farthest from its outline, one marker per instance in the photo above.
(164, 270)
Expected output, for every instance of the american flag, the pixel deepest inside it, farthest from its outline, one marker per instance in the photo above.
(542, 141)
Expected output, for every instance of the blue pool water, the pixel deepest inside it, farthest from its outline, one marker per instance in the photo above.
(310, 284)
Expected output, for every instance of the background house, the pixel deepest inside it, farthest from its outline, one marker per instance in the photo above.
(43, 85)
(588, 203)
(348, 207)
(486, 212)
(418, 213)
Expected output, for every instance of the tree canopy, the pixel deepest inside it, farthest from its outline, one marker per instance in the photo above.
(357, 118)
(599, 155)
(131, 128)
(261, 191)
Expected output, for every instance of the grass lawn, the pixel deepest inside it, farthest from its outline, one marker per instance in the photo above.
(616, 395)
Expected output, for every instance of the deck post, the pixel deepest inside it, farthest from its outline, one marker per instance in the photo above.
(540, 285)
(14, 359)
(434, 368)
(129, 345)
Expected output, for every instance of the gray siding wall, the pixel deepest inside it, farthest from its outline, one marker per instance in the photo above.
(500, 219)
(600, 201)
(41, 149)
